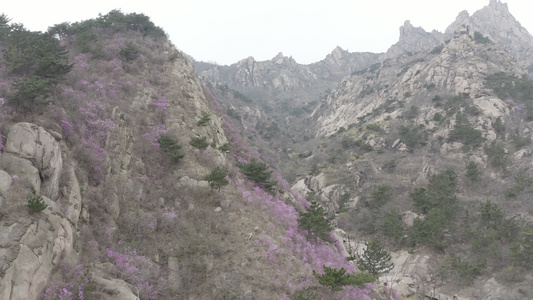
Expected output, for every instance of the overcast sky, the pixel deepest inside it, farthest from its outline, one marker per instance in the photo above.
(226, 31)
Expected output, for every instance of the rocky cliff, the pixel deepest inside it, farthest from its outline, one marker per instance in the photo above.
(493, 21)
(283, 73)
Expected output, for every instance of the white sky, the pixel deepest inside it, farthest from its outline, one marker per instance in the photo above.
(226, 31)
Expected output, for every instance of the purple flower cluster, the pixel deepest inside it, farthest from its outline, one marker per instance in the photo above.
(74, 289)
(136, 269)
(66, 127)
(161, 103)
(154, 134)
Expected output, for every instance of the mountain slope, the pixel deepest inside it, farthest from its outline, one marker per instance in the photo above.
(118, 149)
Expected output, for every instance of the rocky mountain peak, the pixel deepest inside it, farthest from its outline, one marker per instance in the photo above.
(497, 23)
(281, 59)
(498, 5)
(412, 39)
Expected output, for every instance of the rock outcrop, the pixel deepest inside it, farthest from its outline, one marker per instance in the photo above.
(413, 39)
(497, 23)
(493, 21)
(32, 154)
(283, 73)
(31, 245)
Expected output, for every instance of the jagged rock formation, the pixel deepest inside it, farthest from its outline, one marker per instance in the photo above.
(283, 73)
(458, 68)
(493, 21)
(497, 23)
(413, 39)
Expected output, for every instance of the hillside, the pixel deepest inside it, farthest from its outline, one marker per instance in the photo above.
(427, 150)
(110, 149)
(130, 171)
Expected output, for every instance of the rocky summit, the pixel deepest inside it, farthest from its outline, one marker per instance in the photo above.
(130, 171)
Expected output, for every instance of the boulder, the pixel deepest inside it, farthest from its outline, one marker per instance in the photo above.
(409, 218)
(5, 182)
(41, 247)
(34, 144)
(301, 188)
(23, 170)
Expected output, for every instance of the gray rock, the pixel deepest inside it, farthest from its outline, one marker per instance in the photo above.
(33, 143)
(5, 182)
(41, 247)
(26, 173)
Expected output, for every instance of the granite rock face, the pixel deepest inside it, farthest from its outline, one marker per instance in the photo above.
(33, 155)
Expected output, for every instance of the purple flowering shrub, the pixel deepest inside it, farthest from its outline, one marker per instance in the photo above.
(136, 269)
(70, 284)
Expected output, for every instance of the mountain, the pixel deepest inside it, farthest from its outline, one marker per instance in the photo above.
(427, 150)
(493, 21)
(121, 177)
(283, 73)
(130, 171)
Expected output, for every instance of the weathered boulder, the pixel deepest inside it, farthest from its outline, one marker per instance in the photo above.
(409, 218)
(25, 172)
(5, 182)
(113, 288)
(29, 266)
(34, 144)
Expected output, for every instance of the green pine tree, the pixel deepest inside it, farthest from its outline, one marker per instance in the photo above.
(217, 178)
(314, 220)
(257, 172)
(375, 260)
(35, 203)
(337, 278)
(199, 142)
(170, 146)
(472, 171)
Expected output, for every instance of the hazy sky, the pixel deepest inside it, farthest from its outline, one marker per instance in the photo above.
(226, 31)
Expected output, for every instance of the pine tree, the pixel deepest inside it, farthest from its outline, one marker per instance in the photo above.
(199, 142)
(315, 222)
(35, 203)
(257, 172)
(375, 260)
(170, 146)
(472, 171)
(217, 178)
(337, 278)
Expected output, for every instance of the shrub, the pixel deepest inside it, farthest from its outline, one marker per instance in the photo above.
(465, 270)
(412, 113)
(520, 141)
(465, 133)
(521, 183)
(203, 121)
(379, 196)
(256, 171)
(170, 146)
(496, 154)
(35, 203)
(224, 147)
(481, 39)
(412, 137)
(337, 278)
(392, 226)
(389, 166)
(217, 177)
(498, 126)
(472, 171)
(129, 52)
(199, 142)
